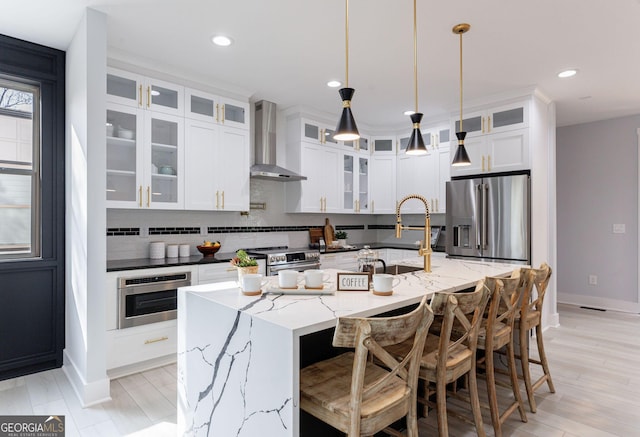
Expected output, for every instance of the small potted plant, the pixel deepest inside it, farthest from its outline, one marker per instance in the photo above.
(341, 236)
(244, 263)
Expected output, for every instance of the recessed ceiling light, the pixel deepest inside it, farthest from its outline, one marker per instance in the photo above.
(409, 112)
(568, 73)
(334, 83)
(221, 40)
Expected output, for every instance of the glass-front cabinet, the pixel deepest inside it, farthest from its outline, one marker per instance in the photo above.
(144, 159)
(494, 120)
(207, 107)
(355, 185)
(142, 92)
(383, 145)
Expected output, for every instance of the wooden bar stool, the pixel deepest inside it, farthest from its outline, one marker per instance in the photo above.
(357, 396)
(496, 332)
(444, 359)
(530, 317)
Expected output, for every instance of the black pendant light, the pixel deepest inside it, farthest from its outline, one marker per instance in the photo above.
(346, 129)
(461, 158)
(416, 142)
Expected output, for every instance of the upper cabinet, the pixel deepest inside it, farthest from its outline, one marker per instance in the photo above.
(383, 145)
(497, 139)
(355, 186)
(382, 184)
(142, 92)
(171, 148)
(214, 109)
(145, 159)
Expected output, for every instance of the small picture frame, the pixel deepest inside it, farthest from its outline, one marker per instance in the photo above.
(353, 281)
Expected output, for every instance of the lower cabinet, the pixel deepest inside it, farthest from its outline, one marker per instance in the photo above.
(222, 272)
(340, 260)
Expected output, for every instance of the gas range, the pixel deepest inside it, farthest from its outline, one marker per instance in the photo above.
(285, 258)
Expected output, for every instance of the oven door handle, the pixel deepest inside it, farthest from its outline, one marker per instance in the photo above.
(273, 270)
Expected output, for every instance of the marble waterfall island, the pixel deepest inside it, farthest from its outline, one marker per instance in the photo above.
(239, 356)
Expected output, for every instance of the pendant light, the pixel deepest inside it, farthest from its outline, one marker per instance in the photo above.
(461, 158)
(416, 142)
(346, 129)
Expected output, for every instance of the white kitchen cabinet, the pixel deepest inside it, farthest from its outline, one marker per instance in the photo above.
(504, 151)
(497, 139)
(145, 153)
(415, 175)
(382, 184)
(310, 131)
(321, 191)
(146, 93)
(340, 260)
(207, 107)
(383, 145)
(355, 182)
(395, 255)
(216, 167)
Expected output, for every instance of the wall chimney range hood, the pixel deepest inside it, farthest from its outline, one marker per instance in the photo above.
(265, 147)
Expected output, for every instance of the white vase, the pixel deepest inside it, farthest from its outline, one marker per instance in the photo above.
(343, 242)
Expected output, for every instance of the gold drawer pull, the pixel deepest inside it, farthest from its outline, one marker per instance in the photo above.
(156, 340)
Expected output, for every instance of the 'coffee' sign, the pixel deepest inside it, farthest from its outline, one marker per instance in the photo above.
(353, 281)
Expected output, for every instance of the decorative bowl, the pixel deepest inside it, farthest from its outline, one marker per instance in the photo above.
(125, 133)
(208, 250)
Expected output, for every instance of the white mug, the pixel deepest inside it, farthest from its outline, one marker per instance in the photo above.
(383, 282)
(315, 278)
(288, 279)
(253, 282)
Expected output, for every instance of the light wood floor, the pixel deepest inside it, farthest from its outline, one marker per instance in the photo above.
(593, 355)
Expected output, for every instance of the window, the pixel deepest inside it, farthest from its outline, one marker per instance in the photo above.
(19, 170)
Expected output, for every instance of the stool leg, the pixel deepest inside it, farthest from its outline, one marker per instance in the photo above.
(513, 374)
(475, 400)
(441, 407)
(543, 358)
(524, 361)
(491, 393)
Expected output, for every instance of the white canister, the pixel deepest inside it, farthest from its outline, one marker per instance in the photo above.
(184, 250)
(172, 251)
(156, 250)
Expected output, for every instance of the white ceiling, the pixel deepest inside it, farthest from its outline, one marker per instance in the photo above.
(286, 50)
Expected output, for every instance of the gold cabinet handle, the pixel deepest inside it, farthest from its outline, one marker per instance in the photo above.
(217, 114)
(488, 162)
(437, 207)
(372, 207)
(488, 124)
(223, 119)
(156, 340)
(231, 269)
(222, 199)
(140, 195)
(482, 124)
(148, 196)
(482, 162)
(148, 96)
(320, 204)
(323, 138)
(217, 199)
(438, 140)
(140, 98)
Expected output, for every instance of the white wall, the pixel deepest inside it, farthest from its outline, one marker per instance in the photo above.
(84, 356)
(597, 187)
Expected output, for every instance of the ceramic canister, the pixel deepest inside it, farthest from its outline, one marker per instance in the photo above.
(156, 250)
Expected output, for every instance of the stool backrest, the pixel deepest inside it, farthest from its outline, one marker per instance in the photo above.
(503, 304)
(540, 278)
(371, 336)
(465, 309)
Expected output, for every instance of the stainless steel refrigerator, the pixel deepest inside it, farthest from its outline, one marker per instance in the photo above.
(489, 218)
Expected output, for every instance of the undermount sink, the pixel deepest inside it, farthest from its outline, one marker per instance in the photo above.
(399, 269)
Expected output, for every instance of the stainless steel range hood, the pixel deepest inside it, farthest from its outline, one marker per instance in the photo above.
(265, 147)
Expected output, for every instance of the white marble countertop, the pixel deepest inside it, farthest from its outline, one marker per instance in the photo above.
(305, 314)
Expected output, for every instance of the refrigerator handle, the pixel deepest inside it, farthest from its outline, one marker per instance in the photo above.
(479, 209)
(485, 216)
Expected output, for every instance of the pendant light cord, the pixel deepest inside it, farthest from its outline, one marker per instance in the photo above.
(346, 43)
(415, 53)
(461, 81)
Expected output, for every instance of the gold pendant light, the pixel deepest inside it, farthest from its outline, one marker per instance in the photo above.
(461, 157)
(346, 129)
(416, 142)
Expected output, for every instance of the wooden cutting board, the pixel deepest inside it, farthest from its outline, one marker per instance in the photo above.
(315, 235)
(328, 233)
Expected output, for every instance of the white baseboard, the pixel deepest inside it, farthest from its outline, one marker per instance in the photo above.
(88, 393)
(119, 372)
(599, 302)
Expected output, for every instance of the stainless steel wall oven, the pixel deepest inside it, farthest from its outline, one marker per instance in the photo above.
(149, 299)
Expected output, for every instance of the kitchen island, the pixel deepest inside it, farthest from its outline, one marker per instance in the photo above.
(239, 356)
